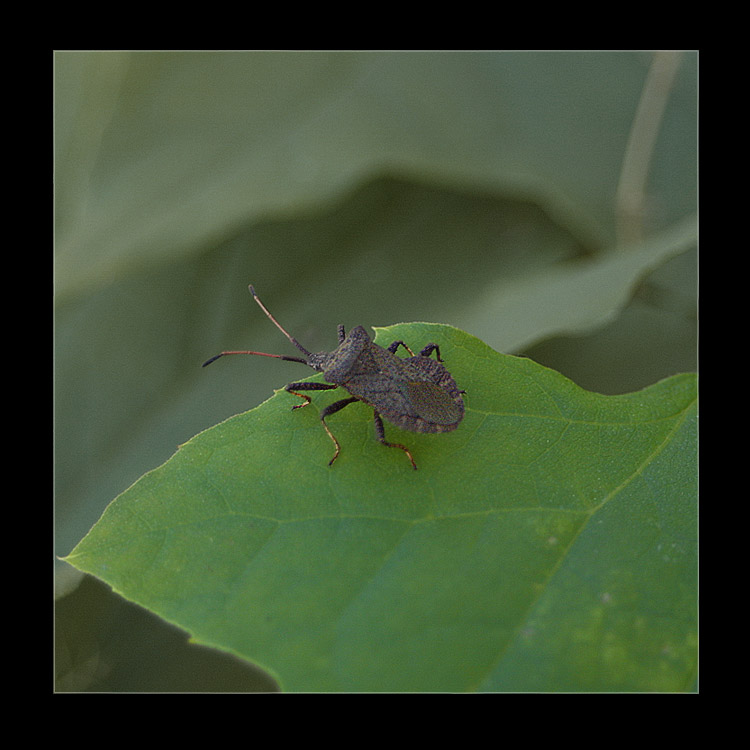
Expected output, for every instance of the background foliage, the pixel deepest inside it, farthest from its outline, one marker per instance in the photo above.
(479, 189)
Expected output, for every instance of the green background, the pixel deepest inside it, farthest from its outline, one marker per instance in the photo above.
(477, 189)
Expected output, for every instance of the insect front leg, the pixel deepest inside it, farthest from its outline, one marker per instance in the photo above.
(332, 409)
(380, 435)
(294, 387)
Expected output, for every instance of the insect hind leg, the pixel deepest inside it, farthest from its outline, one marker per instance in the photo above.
(429, 349)
(395, 345)
(380, 435)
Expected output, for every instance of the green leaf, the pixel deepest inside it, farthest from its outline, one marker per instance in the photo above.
(547, 544)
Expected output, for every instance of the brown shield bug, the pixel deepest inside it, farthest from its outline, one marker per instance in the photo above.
(415, 393)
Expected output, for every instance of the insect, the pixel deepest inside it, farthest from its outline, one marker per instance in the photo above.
(415, 393)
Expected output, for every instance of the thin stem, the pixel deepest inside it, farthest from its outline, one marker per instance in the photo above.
(631, 191)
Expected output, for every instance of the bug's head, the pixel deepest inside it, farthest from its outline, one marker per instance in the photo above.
(320, 361)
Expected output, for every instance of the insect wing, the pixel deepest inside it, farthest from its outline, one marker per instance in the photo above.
(432, 403)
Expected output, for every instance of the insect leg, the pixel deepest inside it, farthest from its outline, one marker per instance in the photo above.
(332, 409)
(395, 345)
(429, 349)
(380, 435)
(294, 387)
(342, 333)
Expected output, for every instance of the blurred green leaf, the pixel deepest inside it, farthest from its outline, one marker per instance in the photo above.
(547, 544)
(162, 154)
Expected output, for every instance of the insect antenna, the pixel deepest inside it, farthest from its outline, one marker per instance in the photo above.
(261, 354)
(264, 354)
(276, 323)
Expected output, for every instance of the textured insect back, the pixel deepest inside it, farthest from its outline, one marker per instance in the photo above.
(434, 406)
(436, 403)
(415, 393)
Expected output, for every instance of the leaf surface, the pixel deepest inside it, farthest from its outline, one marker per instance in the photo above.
(549, 543)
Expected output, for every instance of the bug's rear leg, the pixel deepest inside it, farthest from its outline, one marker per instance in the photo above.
(332, 409)
(395, 345)
(429, 349)
(294, 387)
(380, 435)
